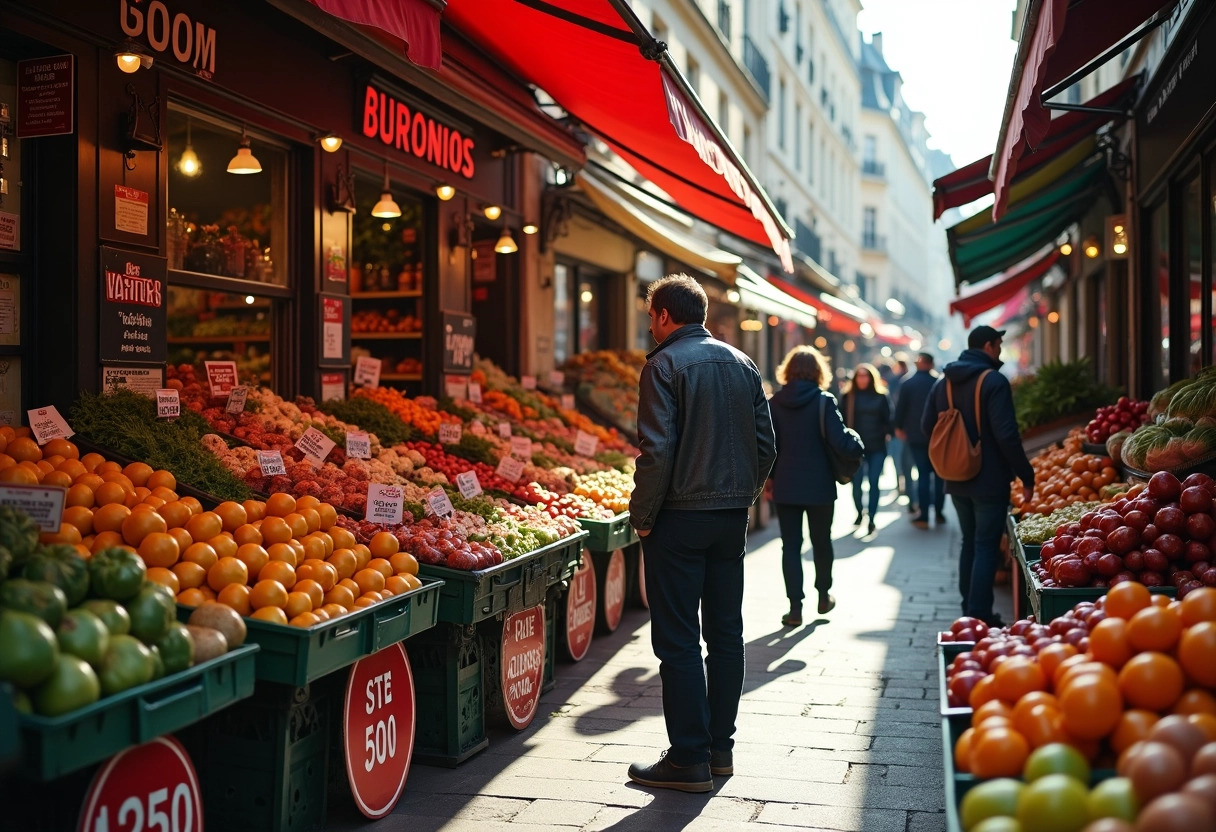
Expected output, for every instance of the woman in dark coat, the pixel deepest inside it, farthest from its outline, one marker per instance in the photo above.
(867, 410)
(802, 477)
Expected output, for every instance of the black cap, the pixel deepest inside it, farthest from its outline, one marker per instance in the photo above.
(982, 335)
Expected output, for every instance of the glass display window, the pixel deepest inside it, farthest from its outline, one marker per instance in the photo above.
(221, 326)
(1192, 272)
(1158, 275)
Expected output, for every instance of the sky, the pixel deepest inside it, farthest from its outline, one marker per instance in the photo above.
(955, 57)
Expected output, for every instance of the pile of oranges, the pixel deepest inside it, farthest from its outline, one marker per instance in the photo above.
(1064, 475)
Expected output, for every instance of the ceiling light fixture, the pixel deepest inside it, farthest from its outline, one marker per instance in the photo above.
(530, 228)
(444, 191)
(1066, 248)
(386, 208)
(492, 212)
(506, 243)
(188, 164)
(1092, 249)
(244, 161)
(131, 57)
(330, 142)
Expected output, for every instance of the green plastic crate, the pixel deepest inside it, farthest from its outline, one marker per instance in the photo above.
(10, 745)
(1052, 602)
(608, 535)
(946, 651)
(297, 655)
(548, 678)
(447, 663)
(55, 746)
(514, 585)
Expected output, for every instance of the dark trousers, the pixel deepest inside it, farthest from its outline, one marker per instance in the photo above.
(819, 518)
(871, 469)
(981, 522)
(694, 563)
(927, 482)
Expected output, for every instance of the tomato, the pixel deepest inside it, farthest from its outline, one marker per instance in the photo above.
(1054, 803)
(1056, 758)
(994, 798)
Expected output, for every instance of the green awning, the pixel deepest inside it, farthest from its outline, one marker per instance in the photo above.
(980, 248)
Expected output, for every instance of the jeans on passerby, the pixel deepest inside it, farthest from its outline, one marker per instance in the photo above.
(908, 465)
(903, 483)
(871, 469)
(931, 489)
(819, 518)
(694, 582)
(981, 521)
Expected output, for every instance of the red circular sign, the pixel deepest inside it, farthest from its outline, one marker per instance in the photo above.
(580, 609)
(523, 664)
(150, 786)
(642, 579)
(614, 590)
(379, 729)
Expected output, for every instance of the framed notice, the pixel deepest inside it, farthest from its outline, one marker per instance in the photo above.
(46, 96)
(334, 348)
(459, 339)
(131, 317)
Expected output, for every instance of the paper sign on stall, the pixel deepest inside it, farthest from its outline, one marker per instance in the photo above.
(221, 376)
(47, 424)
(527, 382)
(474, 392)
(585, 443)
(449, 433)
(271, 463)
(237, 397)
(468, 484)
(43, 503)
(521, 446)
(315, 446)
(557, 379)
(510, 469)
(567, 401)
(504, 430)
(384, 503)
(367, 372)
(439, 504)
(358, 445)
(168, 404)
(456, 387)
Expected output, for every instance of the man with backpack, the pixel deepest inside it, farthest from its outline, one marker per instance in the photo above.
(975, 447)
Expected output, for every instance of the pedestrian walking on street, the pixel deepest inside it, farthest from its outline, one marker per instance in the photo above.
(982, 501)
(706, 446)
(914, 393)
(867, 410)
(897, 449)
(803, 483)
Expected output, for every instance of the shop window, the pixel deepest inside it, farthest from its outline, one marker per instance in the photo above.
(220, 326)
(1158, 275)
(1192, 261)
(590, 302)
(1212, 259)
(563, 315)
(221, 223)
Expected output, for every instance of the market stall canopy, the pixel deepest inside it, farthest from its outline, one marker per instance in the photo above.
(1069, 139)
(835, 314)
(629, 212)
(598, 62)
(1058, 42)
(414, 22)
(893, 334)
(989, 294)
(980, 247)
(756, 293)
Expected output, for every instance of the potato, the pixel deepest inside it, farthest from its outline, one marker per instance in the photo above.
(208, 643)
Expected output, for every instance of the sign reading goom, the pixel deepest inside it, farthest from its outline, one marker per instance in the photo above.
(394, 124)
(190, 41)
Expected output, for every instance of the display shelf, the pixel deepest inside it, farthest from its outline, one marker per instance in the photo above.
(384, 336)
(257, 304)
(607, 535)
(946, 651)
(218, 339)
(401, 376)
(413, 293)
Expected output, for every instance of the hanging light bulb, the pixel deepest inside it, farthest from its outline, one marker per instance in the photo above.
(445, 191)
(386, 208)
(492, 212)
(506, 243)
(1066, 248)
(244, 161)
(530, 228)
(188, 164)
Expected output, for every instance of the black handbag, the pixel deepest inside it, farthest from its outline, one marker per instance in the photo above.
(844, 467)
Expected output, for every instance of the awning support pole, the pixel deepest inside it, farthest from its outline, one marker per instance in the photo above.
(1158, 18)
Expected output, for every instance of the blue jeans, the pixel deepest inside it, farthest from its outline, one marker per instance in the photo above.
(694, 564)
(927, 482)
(981, 521)
(819, 518)
(896, 449)
(871, 469)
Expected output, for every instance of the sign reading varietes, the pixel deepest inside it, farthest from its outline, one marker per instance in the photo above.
(131, 322)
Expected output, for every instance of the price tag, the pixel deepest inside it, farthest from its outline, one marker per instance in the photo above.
(47, 424)
(474, 392)
(504, 430)
(510, 469)
(221, 376)
(527, 382)
(315, 446)
(567, 401)
(237, 397)
(358, 445)
(439, 503)
(585, 444)
(378, 724)
(449, 433)
(367, 372)
(521, 446)
(271, 463)
(168, 404)
(456, 387)
(43, 503)
(477, 428)
(557, 379)
(384, 503)
(149, 786)
(468, 484)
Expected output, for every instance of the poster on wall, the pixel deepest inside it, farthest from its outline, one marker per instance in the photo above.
(484, 262)
(46, 96)
(459, 338)
(335, 329)
(131, 324)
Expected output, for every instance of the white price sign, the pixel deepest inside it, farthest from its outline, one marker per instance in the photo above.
(236, 399)
(567, 401)
(358, 445)
(48, 424)
(521, 446)
(384, 503)
(367, 372)
(527, 382)
(456, 388)
(315, 446)
(449, 433)
(557, 379)
(468, 484)
(439, 503)
(43, 503)
(474, 392)
(504, 430)
(168, 404)
(585, 444)
(271, 463)
(221, 377)
(510, 469)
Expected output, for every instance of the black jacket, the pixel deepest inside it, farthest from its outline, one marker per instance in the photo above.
(870, 417)
(1000, 442)
(704, 430)
(803, 475)
(913, 394)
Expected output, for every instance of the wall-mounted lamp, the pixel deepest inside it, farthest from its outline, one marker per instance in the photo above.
(131, 57)
(1117, 237)
(506, 243)
(492, 212)
(530, 228)
(444, 191)
(460, 235)
(733, 296)
(1091, 247)
(330, 142)
(386, 208)
(244, 161)
(1066, 248)
(342, 191)
(188, 164)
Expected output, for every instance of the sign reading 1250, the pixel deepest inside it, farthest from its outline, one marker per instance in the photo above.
(414, 132)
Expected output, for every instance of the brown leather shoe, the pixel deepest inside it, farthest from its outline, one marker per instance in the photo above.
(826, 603)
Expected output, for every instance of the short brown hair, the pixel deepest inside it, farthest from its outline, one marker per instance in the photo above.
(682, 297)
(805, 364)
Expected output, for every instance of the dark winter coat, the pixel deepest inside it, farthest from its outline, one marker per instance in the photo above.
(1001, 444)
(870, 417)
(913, 394)
(803, 475)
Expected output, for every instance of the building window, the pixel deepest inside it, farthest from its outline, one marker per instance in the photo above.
(747, 144)
(724, 113)
(658, 28)
(810, 153)
(797, 137)
(869, 223)
(781, 114)
(694, 75)
(869, 150)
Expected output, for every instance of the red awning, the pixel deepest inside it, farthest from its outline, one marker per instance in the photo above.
(600, 65)
(892, 334)
(1058, 38)
(416, 22)
(971, 182)
(988, 294)
(835, 314)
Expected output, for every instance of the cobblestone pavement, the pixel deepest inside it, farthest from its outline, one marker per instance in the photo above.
(838, 727)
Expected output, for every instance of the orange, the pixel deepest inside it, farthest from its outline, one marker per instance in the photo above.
(162, 479)
(1091, 706)
(334, 610)
(109, 492)
(325, 574)
(1041, 725)
(342, 538)
(321, 614)
(280, 505)
(164, 577)
(79, 495)
(362, 554)
(1199, 605)
(1016, 677)
(267, 594)
(227, 571)
(223, 545)
(306, 619)
(307, 501)
(412, 580)
(168, 495)
(329, 516)
(404, 562)
(298, 548)
(314, 548)
(1197, 653)
(340, 595)
(351, 587)
(253, 556)
(91, 460)
(384, 545)
(278, 570)
(1159, 600)
(344, 561)
(382, 566)
(247, 533)
(61, 447)
(1123, 600)
(104, 540)
(120, 478)
(1205, 723)
(232, 514)
(190, 575)
(396, 584)
(366, 601)
(195, 505)
(67, 534)
(282, 552)
(371, 580)
(191, 597)
(201, 553)
(297, 603)
(140, 524)
(274, 615)
(254, 509)
(1195, 701)
(299, 526)
(159, 549)
(182, 537)
(237, 597)
(1133, 726)
(1109, 643)
(311, 517)
(138, 473)
(80, 517)
(1154, 681)
(962, 750)
(57, 478)
(176, 514)
(275, 530)
(1028, 701)
(24, 449)
(91, 480)
(1081, 669)
(1155, 628)
(72, 467)
(205, 526)
(312, 589)
(326, 539)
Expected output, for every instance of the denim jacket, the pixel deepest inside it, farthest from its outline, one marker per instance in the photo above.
(704, 429)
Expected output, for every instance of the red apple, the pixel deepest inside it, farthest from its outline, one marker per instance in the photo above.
(1155, 560)
(1200, 526)
(1164, 486)
(1171, 545)
(1136, 519)
(1196, 552)
(1151, 578)
(1195, 499)
(1133, 560)
(1109, 564)
(1170, 519)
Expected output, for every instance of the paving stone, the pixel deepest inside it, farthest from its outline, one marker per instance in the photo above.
(930, 777)
(926, 822)
(558, 813)
(844, 818)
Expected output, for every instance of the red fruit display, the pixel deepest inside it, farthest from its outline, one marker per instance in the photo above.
(1125, 414)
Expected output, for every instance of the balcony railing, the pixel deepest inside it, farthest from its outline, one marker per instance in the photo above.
(876, 169)
(757, 66)
(724, 19)
(874, 242)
